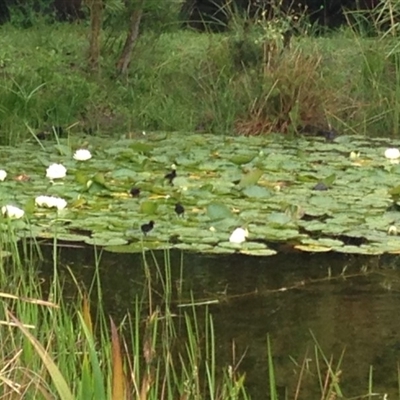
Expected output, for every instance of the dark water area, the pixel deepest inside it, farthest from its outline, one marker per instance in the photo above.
(349, 303)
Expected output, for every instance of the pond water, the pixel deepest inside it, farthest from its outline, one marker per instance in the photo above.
(349, 303)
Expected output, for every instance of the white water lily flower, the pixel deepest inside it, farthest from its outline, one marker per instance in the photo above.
(239, 235)
(393, 155)
(392, 230)
(51, 202)
(12, 212)
(82, 155)
(3, 175)
(56, 171)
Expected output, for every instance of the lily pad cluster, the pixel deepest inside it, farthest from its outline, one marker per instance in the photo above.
(300, 194)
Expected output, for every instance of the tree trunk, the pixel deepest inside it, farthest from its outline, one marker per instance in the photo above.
(133, 33)
(96, 9)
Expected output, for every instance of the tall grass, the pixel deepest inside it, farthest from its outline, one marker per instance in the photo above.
(246, 81)
(54, 349)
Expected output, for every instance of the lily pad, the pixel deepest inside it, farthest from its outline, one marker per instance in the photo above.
(258, 252)
(313, 248)
(148, 207)
(240, 159)
(257, 192)
(359, 207)
(217, 211)
(251, 178)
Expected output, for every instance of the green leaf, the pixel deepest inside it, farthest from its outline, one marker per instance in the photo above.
(63, 149)
(59, 382)
(329, 180)
(81, 177)
(251, 178)
(218, 211)
(99, 178)
(395, 191)
(278, 218)
(257, 192)
(240, 159)
(141, 147)
(148, 207)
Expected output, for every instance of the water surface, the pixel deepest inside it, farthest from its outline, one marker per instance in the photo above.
(350, 303)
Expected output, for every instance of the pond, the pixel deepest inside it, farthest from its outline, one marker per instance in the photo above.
(349, 303)
(318, 267)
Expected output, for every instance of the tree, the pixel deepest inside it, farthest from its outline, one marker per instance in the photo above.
(133, 33)
(96, 10)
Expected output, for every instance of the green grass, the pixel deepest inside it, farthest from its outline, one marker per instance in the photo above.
(51, 348)
(186, 81)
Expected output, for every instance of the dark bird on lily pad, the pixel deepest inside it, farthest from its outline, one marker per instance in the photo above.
(179, 209)
(320, 186)
(170, 176)
(135, 192)
(146, 228)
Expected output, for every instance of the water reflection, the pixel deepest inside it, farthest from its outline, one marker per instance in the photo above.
(349, 303)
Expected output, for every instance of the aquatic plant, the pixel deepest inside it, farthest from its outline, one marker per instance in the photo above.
(56, 171)
(239, 235)
(11, 211)
(50, 202)
(82, 155)
(3, 175)
(310, 194)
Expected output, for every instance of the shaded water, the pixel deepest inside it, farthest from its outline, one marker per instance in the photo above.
(349, 303)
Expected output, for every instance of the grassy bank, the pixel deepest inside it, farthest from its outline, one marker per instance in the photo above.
(243, 82)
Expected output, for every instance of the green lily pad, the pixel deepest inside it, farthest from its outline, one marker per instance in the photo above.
(240, 159)
(360, 205)
(148, 207)
(251, 178)
(258, 252)
(141, 147)
(217, 211)
(257, 192)
(313, 248)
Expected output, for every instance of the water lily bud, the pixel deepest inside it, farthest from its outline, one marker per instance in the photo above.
(56, 171)
(354, 155)
(277, 188)
(12, 212)
(82, 155)
(239, 235)
(392, 154)
(3, 175)
(212, 229)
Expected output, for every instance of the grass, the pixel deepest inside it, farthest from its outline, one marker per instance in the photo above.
(244, 81)
(54, 349)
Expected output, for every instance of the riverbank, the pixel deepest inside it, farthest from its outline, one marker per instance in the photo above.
(237, 83)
